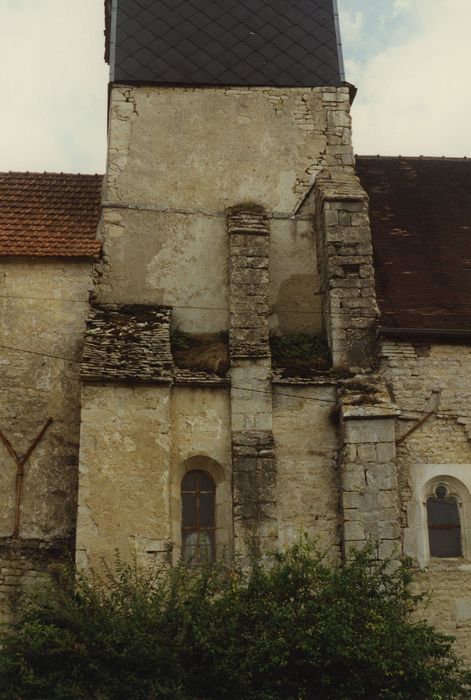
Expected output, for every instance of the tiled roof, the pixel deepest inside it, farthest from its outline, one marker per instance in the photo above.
(226, 42)
(420, 211)
(46, 214)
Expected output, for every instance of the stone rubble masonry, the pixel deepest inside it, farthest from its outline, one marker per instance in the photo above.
(254, 479)
(433, 377)
(249, 244)
(345, 258)
(415, 371)
(127, 342)
(22, 564)
(253, 455)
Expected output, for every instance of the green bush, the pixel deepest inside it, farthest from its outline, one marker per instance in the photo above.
(299, 354)
(297, 628)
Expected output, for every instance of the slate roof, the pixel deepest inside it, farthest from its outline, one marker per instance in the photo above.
(225, 42)
(420, 212)
(47, 214)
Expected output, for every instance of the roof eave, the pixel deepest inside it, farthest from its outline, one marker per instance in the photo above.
(445, 335)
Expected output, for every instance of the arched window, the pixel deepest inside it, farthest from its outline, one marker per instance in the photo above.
(198, 492)
(444, 526)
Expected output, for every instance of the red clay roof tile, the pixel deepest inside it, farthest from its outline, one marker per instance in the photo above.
(49, 214)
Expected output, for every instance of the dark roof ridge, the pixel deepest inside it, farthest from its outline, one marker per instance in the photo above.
(400, 157)
(47, 172)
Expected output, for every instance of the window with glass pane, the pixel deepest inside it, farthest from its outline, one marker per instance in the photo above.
(444, 527)
(198, 517)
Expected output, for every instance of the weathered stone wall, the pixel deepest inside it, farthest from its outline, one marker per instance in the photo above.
(201, 439)
(178, 157)
(23, 563)
(254, 466)
(124, 498)
(249, 278)
(295, 299)
(370, 504)
(346, 268)
(137, 444)
(433, 380)
(308, 496)
(43, 306)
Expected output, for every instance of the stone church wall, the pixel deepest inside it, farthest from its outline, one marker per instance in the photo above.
(43, 307)
(179, 157)
(137, 443)
(125, 445)
(305, 431)
(208, 210)
(433, 382)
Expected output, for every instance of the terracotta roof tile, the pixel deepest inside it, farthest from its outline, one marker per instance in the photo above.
(420, 212)
(48, 214)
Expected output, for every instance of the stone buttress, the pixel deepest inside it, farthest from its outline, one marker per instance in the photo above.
(369, 506)
(253, 449)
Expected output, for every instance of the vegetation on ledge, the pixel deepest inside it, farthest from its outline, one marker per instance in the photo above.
(299, 354)
(203, 352)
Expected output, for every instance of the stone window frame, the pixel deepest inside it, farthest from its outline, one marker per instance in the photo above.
(457, 490)
(223, 505)
(424, 480)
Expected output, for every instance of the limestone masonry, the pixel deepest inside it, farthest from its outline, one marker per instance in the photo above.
(249, 308)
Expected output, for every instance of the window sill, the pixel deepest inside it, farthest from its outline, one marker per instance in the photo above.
(451, 564)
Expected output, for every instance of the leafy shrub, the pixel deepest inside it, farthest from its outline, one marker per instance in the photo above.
(299, 352)
(297, 629)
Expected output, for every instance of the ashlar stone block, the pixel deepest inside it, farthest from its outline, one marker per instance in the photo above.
(369, 430)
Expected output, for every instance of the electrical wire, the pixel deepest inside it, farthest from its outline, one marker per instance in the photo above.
(173, 306)
(238, 388)
(226, 308)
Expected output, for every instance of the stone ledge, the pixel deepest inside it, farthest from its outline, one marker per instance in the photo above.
(365, 412)
(127, 342)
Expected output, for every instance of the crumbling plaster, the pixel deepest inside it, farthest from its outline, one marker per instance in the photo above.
(295, 296)
(43, 307)
(178, 157)
(125, 444)
(208, 149)
(308, 483)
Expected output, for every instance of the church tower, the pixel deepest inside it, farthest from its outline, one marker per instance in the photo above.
(235, 235)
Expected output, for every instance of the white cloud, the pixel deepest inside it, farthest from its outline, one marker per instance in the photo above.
(54, 86)
(352, 24)
(414, 97)
(400, 6)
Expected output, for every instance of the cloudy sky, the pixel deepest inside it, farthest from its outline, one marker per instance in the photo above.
(410, 59)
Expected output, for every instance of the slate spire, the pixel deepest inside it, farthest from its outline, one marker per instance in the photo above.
(287, 43)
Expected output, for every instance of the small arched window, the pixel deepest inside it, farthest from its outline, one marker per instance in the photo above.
(198, 493)
(444, 526)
